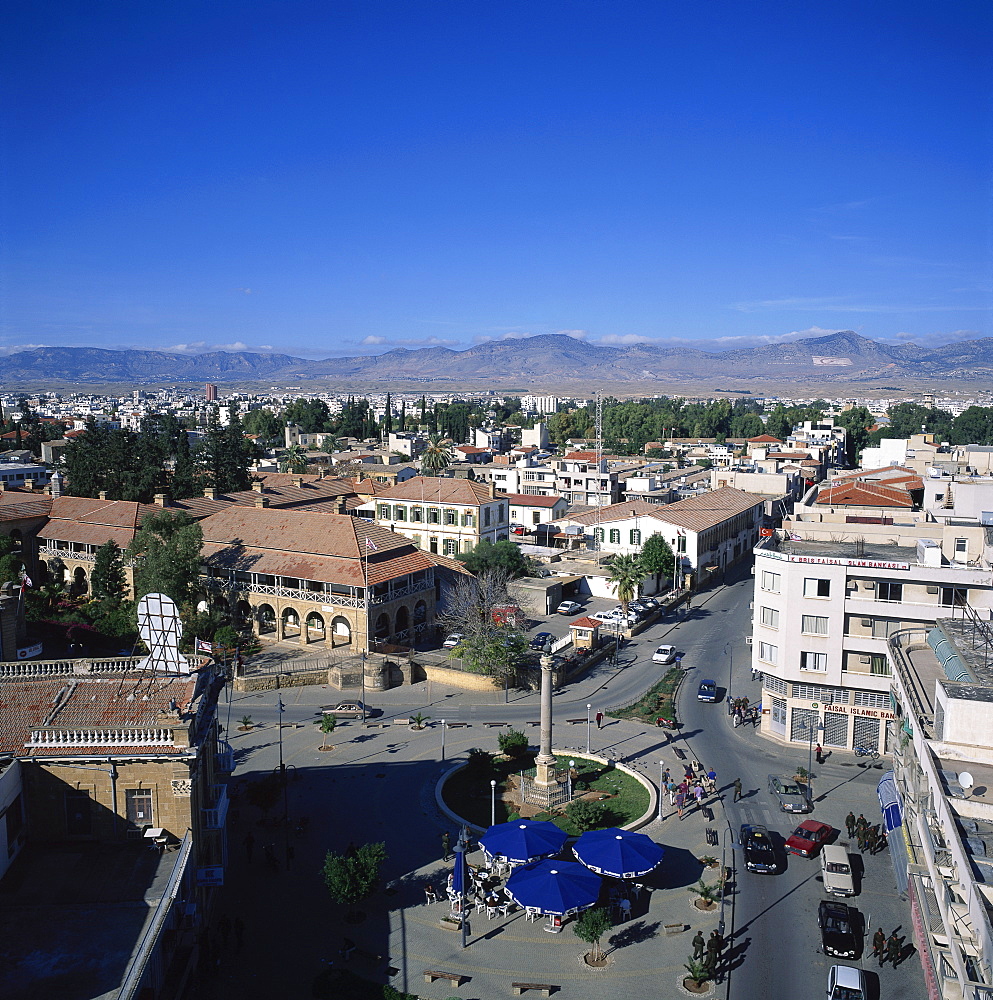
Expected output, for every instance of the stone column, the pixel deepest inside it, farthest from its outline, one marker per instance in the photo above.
(545, 761)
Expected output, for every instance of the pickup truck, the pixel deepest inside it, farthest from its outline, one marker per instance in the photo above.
(349, 710)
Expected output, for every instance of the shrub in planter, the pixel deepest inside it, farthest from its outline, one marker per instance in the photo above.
(513, 743)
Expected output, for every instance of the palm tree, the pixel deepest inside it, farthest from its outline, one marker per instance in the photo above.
(626, 571)
(437, 455)
(295, 459)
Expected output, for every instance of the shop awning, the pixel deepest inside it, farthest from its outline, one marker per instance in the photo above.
(892, 810)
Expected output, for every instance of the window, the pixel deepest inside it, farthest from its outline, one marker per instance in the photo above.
(812, 587)
(451, 516)
(889, 591)
(769, 617)
(817, 692)
(813, 661)
(872, 699)
(384, 511)
(78, 813)
(399, 513)
(768, 652)
(486, 516)
(536, 518)
(416, 514)
(449, 547)
(615, 536)
(771, 581)
(434, 515)
(468, 519)
(598, 535)
(954, 597)
(961, 546)
(635, 536)
(878, 665)
(776, 684)
(883, 628)
(416, 539)
(815, 625)
(138, 806)
(681, 543)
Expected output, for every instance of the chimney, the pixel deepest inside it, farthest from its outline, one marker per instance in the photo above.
(261, 502)
(492, 490)
(258, 486)
(29, 484)
(54, 485)
(298, 482)
(210, 493)
(342, 506)
(160, 500)
(102, 494)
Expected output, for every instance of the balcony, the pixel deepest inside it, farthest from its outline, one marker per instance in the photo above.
(216, 816)
(225, 757)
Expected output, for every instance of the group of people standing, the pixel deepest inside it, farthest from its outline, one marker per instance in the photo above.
(869, 837)
(741, 710)
(887, 949)
(691, 790)
(709, 951)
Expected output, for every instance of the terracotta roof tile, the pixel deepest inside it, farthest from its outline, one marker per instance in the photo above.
(862, 494)
(439, 490)
(529, 500)
(708, 509)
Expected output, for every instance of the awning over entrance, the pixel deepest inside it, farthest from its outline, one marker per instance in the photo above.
(892, 810)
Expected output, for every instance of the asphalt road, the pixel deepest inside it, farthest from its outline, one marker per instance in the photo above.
(771, 920)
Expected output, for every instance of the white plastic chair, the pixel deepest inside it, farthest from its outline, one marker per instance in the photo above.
(531, 913)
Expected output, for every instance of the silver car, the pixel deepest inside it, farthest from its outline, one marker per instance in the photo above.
(792, 797)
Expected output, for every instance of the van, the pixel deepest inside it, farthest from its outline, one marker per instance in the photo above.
(837, 871)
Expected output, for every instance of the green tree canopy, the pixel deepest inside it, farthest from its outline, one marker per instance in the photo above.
(657, 558)
(505, 555)
(627, 573)
(436, 457)
(352, 877)
(10, 560)
(166, 551)
(108, 581)
(590, 926)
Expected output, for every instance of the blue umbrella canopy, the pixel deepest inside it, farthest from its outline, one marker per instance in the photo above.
(523, 840)
(556, 887)
(617, 852)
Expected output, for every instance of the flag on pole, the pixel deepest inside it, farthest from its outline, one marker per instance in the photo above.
(369, 544)
(280, 705)
(25, 582)
(204, 647)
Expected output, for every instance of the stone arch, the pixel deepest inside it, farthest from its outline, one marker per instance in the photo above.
(79, 584)
(267, 618)
(315, 627)
(402, 619)
(42, 572)
(290, 619)
(341, 631)
(17, 538)
(243, 612)
(382, 630)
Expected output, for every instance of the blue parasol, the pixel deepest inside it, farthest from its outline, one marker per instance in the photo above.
(556, 887)
(523, 840)
(620, 853)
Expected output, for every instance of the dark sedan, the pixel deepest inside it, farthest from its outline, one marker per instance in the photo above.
(837, 924)
(758, 849)
(539, 641)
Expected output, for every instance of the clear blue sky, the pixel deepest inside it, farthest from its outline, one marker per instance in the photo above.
(344, 177)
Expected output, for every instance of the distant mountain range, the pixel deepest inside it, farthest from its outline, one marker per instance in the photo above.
(540, 363)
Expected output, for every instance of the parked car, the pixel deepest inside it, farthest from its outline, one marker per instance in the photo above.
(707, 691)
(539, 640)
(808, 838)
(758, 849)
(455, 639)
(351, 710)
(836, 870)
(568, 608)
(846, 983)
(837, 924)
(792, 797)
(649, 602)
(664, 654)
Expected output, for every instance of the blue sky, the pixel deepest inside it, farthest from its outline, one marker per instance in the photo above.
(341, 178)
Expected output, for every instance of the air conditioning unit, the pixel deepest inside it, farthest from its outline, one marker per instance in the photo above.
(748, 640)
(865, 659)
(870, 584)
(867, 622)
(932, 590)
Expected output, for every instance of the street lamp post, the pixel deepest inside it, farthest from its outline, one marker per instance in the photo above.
(819, 727)
(442, 739)
(492, 801)
(588, 707)
(572, 764)
(661, 786)
(460, 848)
(729, 653)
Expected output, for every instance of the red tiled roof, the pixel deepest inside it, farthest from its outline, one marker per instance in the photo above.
(708, 509)
(862, 494)
(437, 490)
(764, 439)
(93, 522)
(529, 500)
(585, 623)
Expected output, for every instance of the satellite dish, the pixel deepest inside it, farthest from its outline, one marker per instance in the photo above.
(966, 780)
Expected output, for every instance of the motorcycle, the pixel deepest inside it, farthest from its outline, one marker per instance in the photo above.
(866, 752)
(663, 723)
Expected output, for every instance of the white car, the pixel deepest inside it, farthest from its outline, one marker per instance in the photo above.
(568, 608)
(455, 639)
(846, 983)
(664, 654)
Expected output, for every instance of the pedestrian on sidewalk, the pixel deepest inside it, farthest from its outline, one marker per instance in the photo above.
(698, 793)
(737, 789)
(850, 826)
(893, 949)
(711, 781)
(818, 754)
(599, 720)
(430, 896)
(446, 846)
(872, 837)
(879, 945)
(680, 802)
(729, 704)
(699, 944)
(861, 824)
(715, 945)
(671, 788)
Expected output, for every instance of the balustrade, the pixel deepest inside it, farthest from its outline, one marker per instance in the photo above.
(92, 737)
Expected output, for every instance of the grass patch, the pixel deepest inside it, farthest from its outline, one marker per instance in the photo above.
(657, 700)
(468, 795)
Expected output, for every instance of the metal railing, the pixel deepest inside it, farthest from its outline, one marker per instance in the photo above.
(215, 816)
(92, 737)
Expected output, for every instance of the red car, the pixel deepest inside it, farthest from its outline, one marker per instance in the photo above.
(807, 839)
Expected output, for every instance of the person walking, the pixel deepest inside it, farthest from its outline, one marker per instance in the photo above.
(711, 781)
(893, 949)
(730, 702)
(672, 788)
(699, 944)
(680, 802)
(872, 839)
(879, 945)
(737, 789)
(850, 825)
(446, 846)
(861, 823)
(599, 720)
(818, 754)
(861, 838)
(715, 945)
(698, 794)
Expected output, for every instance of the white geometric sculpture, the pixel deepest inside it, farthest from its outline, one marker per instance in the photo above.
(159, 628)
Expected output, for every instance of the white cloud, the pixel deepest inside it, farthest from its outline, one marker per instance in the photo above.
(202, 347)
(623, 339)
(432, 341)
(371, 341)
(575, 334)
(17, 348)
